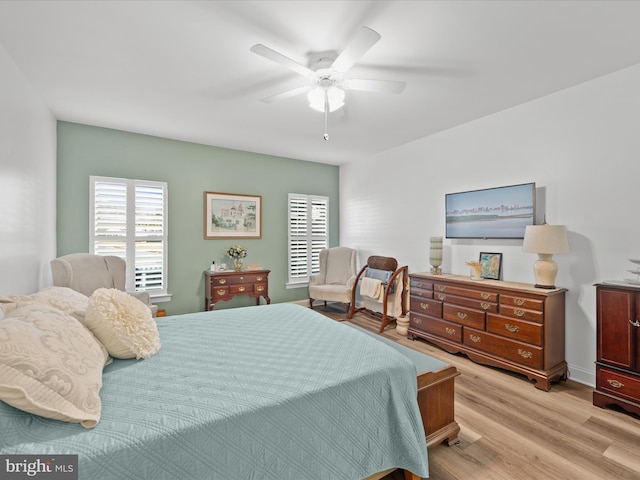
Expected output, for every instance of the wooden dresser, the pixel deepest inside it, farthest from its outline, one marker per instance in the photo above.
(509, 325)
(227, 284)
(618, 351)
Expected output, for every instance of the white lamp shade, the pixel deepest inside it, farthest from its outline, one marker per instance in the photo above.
(546, 239)
(335, 96)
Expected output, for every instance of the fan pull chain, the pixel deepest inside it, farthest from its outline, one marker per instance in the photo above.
(326, 114)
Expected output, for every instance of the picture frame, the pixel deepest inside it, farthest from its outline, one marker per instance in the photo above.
(491, 264)
(232, 215)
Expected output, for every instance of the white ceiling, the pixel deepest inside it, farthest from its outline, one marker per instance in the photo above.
(183, 69)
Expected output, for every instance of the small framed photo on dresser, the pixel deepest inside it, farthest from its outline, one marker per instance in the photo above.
(491, 264)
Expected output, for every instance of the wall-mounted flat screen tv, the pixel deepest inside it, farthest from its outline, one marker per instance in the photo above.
(501, 212)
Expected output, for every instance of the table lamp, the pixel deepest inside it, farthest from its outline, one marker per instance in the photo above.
(545, 240)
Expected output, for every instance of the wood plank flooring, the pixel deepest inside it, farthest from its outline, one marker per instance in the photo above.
(510, 430)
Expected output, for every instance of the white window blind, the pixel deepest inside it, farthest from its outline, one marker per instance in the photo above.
(308, 234)
(129, 220)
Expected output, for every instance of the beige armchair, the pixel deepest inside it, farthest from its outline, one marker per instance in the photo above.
(85, 273)
(334, 283)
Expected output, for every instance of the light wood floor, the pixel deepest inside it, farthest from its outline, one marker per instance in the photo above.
(510, 430)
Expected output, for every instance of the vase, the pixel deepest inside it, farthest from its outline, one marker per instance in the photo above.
(237, 264)
(435, 255)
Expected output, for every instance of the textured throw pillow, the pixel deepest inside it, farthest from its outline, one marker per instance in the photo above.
(122, 323)
(50, 365)
(62, 298)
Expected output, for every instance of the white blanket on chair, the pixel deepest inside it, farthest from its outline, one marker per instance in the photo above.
(371, 288)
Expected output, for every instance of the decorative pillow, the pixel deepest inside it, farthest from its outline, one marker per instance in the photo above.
(50, 365)
(62, 298)
(122, 323)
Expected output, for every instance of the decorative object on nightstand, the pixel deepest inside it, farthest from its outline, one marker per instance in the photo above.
(435, 255)
(475, 270)
(237, 253)
(545, 240)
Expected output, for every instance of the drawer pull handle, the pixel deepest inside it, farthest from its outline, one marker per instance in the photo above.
(474, 338)
(485, 306)
(241, 278)
(425, 306)
(519, 301)
(416, 320)
(615, 383)
(222, 291)
(441, 296)
(524, 353)
(511, 328)
(259, 278)
(241, 289)
(518, 313)
(222, 281)
(485, 296)
(635, 324)
(442, 288)
(450, 331)
(462, 315)
(260, 288)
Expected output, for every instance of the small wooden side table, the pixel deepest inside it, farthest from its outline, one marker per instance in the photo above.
(225, 285)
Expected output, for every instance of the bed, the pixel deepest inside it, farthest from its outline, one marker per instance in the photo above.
(264, 392)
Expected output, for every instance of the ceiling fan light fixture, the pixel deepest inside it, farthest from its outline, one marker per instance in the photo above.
(316, 97)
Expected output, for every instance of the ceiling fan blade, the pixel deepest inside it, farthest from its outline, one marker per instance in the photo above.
(363, 41)
(274, 56)
(285, 95)
(385, 86)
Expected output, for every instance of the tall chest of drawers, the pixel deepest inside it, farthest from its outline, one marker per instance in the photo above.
(509, 325)
(618, 352)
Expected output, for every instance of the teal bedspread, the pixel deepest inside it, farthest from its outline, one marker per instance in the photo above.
(266, 392)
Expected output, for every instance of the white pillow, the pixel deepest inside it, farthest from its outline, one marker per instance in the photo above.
(62, 298)
(50, 365)
(122, 323)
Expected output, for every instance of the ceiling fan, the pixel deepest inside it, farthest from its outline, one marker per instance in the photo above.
(327, 74)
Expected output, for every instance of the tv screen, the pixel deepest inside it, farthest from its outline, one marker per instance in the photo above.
(501, 212)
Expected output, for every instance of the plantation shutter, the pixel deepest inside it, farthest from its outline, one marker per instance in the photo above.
(128, 220)
(308, 234)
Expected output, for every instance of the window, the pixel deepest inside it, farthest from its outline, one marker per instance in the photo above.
(129, 220)
(308, 234)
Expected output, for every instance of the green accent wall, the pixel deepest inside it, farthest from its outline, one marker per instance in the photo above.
(190, 170)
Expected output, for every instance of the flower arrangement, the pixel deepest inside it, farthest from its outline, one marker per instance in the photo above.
(237, 252)
(476, 270)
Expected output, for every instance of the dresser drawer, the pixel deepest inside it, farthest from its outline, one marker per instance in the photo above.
(261, 288)
(421, 284)
(617, 383)
(419, 292)
(468, 302)
(522, 353)
(426, 306)
(520, 313)
(243, 289)
(218, 292)
(528, 332)
(464, 292)
(463, 315)
(522, 302)
(442, 328)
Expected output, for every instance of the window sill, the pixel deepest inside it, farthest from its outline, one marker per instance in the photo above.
(297, 285)
(160, 297)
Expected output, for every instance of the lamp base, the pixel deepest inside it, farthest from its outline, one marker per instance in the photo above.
(548, 287)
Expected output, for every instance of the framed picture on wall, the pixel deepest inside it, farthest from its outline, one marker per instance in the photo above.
(491, 264)
(232, 215)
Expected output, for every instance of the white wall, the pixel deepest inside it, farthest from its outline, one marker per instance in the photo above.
(582, 148)
(27, 184)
